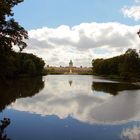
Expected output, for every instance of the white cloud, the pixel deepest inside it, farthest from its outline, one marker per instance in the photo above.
(82, 43)
(131, 133)
(132, 12)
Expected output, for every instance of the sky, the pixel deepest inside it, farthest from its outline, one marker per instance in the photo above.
(80, 30)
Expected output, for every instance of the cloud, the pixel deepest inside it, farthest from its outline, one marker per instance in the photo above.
(82, 42)
(132, 12)
(131, 133)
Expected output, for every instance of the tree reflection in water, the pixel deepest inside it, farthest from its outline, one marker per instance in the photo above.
(19, 89)
(4, 123)
(113, 88)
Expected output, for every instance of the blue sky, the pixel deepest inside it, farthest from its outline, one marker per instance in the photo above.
(52, 13)
(81, 30)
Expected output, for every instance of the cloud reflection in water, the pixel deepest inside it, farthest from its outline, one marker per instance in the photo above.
(82, 101)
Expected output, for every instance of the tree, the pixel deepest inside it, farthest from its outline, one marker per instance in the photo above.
(132, 53)
(29, 67)
(13, 64)
(30, 64)
(130, 65)
(11, 33)
(127, 66)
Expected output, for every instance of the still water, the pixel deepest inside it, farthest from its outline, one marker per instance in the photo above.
(71, 107)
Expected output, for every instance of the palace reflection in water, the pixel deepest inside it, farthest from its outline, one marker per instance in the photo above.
(74, 106)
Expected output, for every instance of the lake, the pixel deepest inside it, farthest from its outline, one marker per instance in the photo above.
(71, 107)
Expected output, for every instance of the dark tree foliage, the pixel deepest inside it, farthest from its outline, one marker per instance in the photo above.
(11, 33)
(30, 64)
(126, 66)
(12, 64)
(22, 64)
(3, 124)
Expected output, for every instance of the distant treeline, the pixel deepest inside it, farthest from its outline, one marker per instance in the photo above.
(13, 64)
(126, 66)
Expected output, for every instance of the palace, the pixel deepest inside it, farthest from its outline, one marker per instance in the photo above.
(70, 66)
(70, 63)
(70, 69)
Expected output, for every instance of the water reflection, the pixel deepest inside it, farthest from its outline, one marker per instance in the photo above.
(131, 133)
(83, 103)
(70, 82)
(113, 88)
(19, 89)
(4, 123)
